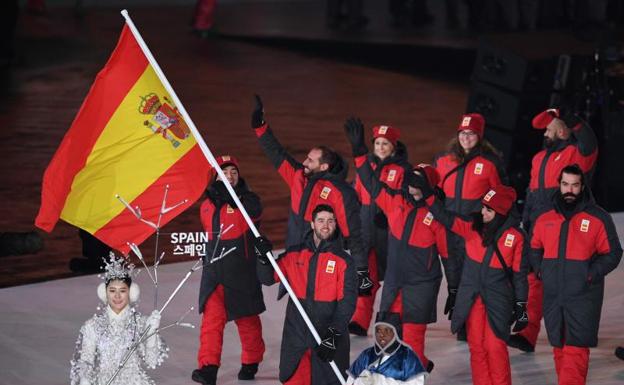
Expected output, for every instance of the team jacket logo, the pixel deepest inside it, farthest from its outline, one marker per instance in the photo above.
(331, 265)
(391, 176)
(489, 195)
(229, 209)
(509, 240)
(383, 130)
(478, 168)
(466, 121)
(325, 192)
(164, 118)
(585, 225)
(428, 218)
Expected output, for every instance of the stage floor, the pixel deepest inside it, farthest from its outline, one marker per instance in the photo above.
(39, 324)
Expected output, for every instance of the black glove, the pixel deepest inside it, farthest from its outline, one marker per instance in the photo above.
(365, 285)
(521, 316)
(257, 116)
(327, 348)
(569, 116)
(262, 246)
(355, 134)
(419, 181)
(450, 302)
(221, 194)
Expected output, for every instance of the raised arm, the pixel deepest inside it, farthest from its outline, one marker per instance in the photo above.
(285, 164)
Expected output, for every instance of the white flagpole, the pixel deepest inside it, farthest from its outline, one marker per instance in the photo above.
(213, 162)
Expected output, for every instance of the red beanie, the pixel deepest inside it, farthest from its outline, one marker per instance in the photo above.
(227, 160)
(474, 122)
(390, 133)
(543, 119)
(500, 199)
(433, 177)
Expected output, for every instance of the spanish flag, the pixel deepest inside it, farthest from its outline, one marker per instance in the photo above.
(128, 140)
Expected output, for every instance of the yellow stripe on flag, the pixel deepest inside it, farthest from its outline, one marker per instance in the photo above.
(127, 157)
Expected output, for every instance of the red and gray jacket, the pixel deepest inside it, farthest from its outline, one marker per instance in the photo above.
(307, 192)
(414, 242)
(325, 282)
(374, 222)
(237, 270)
(572, 252)
(465, 184)
(581, 148)
(483, 274)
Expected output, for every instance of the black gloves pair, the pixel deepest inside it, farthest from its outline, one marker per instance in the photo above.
(365, 284)
(257, 116)
(450, 302)
(521, 316)
(355, 134)
(326, 350)
(262, 246)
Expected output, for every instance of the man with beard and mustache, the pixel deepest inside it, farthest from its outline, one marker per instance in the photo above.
(573, 247)
(493, 286)
(323, 278)
(390, 361)
(567, 140)
(319, 179)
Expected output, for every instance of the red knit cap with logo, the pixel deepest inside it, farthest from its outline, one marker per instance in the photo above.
(543, 119)
(227, 160)
(474, 122)
(500, 199)
(433, 177)
(390, 133)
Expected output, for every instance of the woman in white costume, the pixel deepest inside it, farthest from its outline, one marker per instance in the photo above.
(106, 338)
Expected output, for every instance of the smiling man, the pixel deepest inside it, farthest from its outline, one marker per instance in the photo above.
(323, 278)
(389, 361)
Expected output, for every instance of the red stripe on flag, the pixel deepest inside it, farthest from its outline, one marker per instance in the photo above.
(126, 227)
(125, 66)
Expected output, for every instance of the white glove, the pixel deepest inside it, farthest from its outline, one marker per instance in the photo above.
(365, 378)
(84, 381)
(154, 321)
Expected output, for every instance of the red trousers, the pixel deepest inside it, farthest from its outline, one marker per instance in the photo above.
(571, 363)
(534, 308)
(211, 333)
(489, 358)
(364, 306)
(303, 373)
(413, 333)
(203, 17)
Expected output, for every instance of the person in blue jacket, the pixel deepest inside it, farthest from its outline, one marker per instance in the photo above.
(389, 361)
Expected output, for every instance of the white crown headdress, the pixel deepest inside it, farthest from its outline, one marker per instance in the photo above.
(116, 268)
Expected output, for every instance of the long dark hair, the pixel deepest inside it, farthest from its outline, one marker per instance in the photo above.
(483, 145)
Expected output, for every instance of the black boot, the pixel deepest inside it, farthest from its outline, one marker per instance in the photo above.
(619, 352)
(248, 371)
(430, 366)
(519, 342)
(207, 375)
(356, 329)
